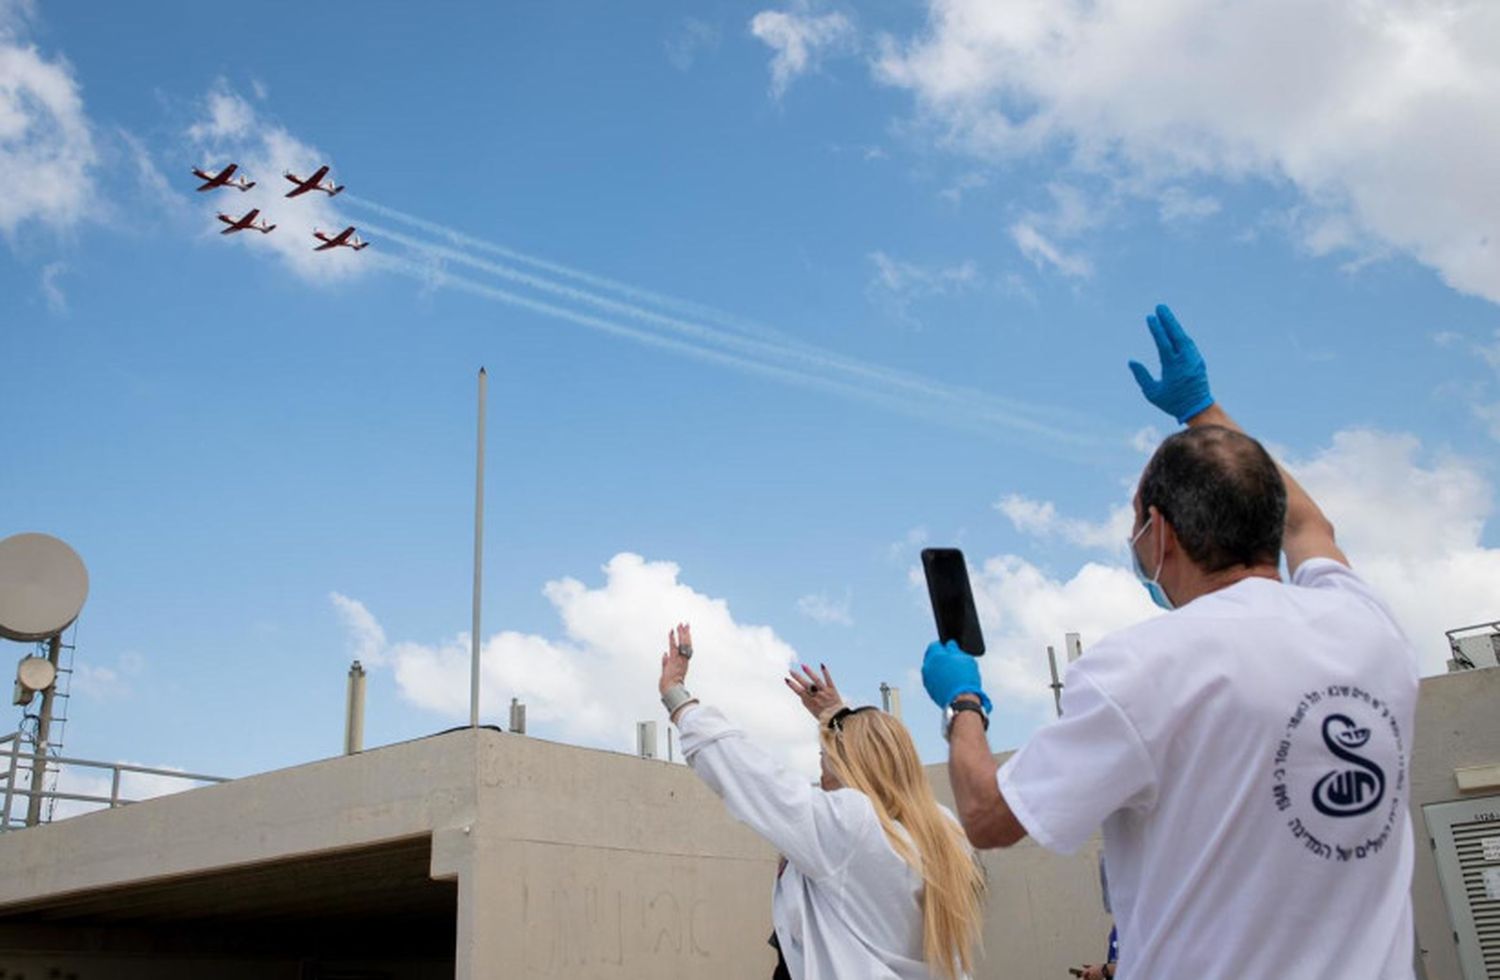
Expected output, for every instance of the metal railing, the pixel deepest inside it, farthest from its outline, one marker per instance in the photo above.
(11, 750)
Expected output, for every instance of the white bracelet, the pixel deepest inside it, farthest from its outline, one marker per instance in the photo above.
(675, 697)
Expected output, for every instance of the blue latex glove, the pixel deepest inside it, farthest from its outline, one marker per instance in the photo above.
(948, 672)
(1182, 391)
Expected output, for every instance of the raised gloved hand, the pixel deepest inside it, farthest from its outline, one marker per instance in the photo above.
(948, 672)
(1182, 391)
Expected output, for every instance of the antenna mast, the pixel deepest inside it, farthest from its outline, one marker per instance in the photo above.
(478, 558)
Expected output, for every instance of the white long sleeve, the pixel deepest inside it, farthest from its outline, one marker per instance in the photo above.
(818, 832)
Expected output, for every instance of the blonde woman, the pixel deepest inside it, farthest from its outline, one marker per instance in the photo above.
(878, 879)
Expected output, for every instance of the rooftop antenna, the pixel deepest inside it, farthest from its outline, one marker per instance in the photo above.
(478, 557)
(43, 585)
(1056, 684)
(354, 719)
(890, 699)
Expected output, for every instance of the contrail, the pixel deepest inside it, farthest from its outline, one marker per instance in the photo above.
(810, 365)
(439, 277)
(683, 306)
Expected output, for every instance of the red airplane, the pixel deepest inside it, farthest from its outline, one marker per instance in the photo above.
(342, 238)
(247, 223)
(313, 183)
(221, 179)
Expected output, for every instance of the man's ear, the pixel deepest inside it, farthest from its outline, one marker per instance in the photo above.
(1168, 533)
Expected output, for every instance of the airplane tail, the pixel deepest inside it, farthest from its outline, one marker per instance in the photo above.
(246, 187)
(336, 190)
(267, 229)
(360, 246)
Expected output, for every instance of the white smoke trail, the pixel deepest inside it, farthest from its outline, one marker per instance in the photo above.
(675, 304)
(742, 344)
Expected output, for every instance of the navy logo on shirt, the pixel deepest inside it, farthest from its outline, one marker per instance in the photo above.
(1354, 789)
(1338, 772)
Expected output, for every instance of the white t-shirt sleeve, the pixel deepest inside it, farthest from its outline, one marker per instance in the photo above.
(1325, 573)
(1076, 771)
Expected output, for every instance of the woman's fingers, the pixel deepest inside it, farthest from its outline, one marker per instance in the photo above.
(827, 677)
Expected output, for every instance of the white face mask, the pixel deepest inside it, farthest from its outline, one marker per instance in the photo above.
(1152, 583)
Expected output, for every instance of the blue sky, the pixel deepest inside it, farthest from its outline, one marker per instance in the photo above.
(822, 284)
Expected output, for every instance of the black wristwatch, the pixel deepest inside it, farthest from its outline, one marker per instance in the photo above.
(952, 712)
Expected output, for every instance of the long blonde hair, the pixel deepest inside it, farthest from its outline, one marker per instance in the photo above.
(872, 752)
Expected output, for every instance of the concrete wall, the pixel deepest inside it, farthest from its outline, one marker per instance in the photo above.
(1458, 724)
(593, 864)
(565, 862)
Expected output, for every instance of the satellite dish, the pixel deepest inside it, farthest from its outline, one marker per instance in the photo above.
(42, 586)
(36, 673)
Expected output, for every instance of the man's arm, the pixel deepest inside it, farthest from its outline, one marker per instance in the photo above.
(949, 675)
(1182, 392)
(986, 817)
(1309, 533)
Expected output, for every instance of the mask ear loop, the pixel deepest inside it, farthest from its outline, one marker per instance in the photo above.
(1162, 561)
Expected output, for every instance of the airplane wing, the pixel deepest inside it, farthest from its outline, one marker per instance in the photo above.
(227, 172)
(318, 175)
(254, 213)
(227, 220)
(326, 246)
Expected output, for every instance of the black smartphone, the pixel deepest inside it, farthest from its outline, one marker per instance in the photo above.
(952, 599)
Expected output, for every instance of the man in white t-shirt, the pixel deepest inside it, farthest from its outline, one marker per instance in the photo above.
(1247, 753)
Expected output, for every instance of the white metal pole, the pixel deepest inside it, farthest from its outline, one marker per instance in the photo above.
(478, 558)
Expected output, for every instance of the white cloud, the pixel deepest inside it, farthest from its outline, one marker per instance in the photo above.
(1378, 113)
(1040, 518)
(910, 543)
(1043, 252)
(799, 39)
(148, 175)
(231, 130)
(897, 284)
(1146, 439)
(229, 117)
(57, 300)
(1413, 528)
(828, 611)
(47, 152)
(971, 181)
(591, 684)
(366, 638)
(1488, 413)
(692, 37)
(101, 682)
(1178, 205)
(1491, 352)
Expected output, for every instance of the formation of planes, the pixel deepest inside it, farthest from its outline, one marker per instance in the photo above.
(247, 221)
